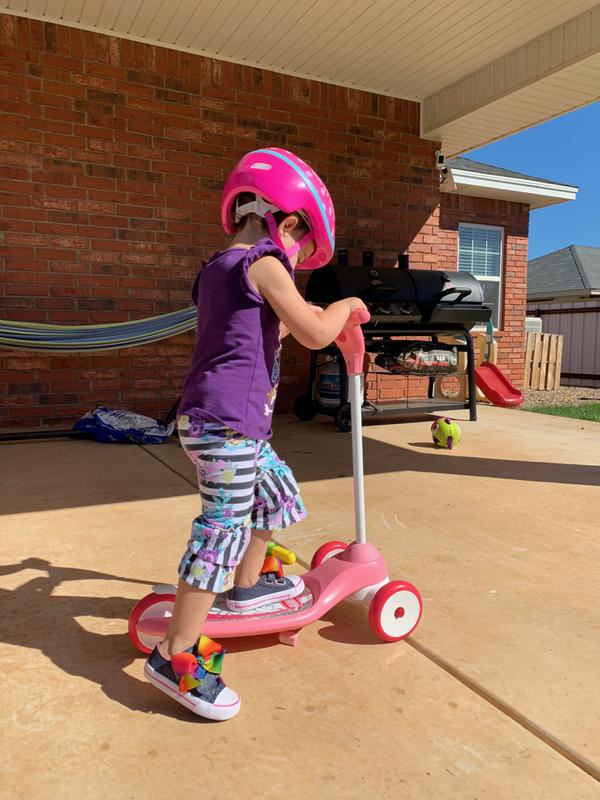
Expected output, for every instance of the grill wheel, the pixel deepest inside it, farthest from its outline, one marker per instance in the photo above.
(343, 418)
(304, 408)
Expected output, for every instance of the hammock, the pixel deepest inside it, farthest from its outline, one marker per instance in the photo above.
(81, 338)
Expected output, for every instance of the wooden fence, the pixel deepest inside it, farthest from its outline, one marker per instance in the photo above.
(543, 359)
(579, 322)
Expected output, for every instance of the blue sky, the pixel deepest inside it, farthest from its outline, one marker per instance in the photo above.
(566, 150)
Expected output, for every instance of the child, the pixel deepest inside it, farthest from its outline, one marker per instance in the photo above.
(281, 216)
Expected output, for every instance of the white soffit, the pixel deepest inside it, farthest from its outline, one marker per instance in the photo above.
(546, 77)
(404, 48)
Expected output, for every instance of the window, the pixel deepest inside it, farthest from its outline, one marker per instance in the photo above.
(480, 253)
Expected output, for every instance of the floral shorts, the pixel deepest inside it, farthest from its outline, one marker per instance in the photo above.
(244, 486)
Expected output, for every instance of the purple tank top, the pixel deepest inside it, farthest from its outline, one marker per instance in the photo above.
(234, 371)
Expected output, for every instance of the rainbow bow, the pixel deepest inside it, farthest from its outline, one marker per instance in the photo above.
(271, 564)
(191, 669)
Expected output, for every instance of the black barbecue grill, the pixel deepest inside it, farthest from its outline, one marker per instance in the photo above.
(402, 302)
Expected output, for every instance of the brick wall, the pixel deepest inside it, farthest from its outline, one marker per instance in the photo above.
(112, 158)
(514, 219)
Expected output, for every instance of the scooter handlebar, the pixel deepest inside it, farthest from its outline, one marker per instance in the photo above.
(351, 341)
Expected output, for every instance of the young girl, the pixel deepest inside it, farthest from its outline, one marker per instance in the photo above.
(281, 216)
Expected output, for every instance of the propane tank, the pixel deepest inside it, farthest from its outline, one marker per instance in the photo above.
(328, 384)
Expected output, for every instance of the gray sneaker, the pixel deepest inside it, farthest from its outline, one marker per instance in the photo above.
(269, 589)
(209, 697)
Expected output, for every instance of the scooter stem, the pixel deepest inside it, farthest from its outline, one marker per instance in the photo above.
(352, 344)
(357, 459)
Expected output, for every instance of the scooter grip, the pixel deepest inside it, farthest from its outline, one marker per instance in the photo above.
(284, 555)
(352, 342)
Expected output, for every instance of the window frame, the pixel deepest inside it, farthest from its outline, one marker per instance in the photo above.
(499, 279)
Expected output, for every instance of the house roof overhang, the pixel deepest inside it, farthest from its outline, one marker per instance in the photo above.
(534, 192)
(480, 70)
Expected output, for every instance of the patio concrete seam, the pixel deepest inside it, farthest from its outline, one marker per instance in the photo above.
(168, 466)
(580, 761)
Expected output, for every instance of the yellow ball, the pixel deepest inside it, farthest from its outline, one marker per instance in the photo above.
(445, 433)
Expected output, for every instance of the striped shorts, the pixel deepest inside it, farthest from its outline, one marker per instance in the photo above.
(244, 486)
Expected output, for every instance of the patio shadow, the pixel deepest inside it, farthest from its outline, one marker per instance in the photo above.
(46, 476)
(37, 619)
(315, 461)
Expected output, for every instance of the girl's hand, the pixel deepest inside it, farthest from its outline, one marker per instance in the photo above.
(355, 303)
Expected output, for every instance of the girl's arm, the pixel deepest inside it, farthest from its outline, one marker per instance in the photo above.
(313, 330)
(285, 331)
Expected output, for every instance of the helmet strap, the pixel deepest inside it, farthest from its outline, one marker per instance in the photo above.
(276, 238)
(257, 206)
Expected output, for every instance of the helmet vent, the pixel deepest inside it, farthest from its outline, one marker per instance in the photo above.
(260, 165)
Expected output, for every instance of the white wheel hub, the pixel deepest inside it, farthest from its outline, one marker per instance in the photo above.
(332, 554)
(400, 613)
(156, 612)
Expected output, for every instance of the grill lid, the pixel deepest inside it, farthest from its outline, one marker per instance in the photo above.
(405, 294)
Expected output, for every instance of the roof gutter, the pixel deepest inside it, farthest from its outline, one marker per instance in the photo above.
(549, 296)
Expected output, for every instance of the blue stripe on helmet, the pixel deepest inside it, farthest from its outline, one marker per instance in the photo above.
(308, 181)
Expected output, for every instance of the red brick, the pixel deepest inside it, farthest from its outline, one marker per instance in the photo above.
(52, 254)
(94, 82)
(21, 289)
(94, 132)
(54, 278)
(63, 140)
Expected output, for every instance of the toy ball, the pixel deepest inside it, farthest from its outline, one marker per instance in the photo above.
(445, 433)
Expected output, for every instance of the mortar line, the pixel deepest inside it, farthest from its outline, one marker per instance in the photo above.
(583, 763)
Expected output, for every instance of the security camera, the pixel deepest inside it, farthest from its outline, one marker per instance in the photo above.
(440, 163)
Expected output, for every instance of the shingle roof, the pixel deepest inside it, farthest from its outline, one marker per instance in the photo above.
(488, 169)
(573, 268)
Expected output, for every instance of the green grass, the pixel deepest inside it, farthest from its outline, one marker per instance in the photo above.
(589, 411)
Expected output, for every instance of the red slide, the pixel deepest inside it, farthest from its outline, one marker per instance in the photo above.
(496, 386)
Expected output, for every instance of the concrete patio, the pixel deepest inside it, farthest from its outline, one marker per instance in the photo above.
(494, 696)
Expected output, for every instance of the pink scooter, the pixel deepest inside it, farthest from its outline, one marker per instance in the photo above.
(338, 571)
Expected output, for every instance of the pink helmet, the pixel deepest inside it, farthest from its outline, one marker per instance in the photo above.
(287, 184)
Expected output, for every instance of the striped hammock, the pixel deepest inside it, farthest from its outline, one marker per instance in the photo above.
(82, 338)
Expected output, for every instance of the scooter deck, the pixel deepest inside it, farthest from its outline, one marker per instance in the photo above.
(223, 622)
(360, 566)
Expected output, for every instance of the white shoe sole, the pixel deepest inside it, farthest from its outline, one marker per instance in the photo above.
(285, 594)
(214, 711)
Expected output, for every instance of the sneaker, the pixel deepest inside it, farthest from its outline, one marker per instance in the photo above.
(269, 589)
(193, 680)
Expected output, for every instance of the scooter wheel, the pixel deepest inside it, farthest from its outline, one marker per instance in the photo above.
(151, 607)
(343, 418)
(304, 408)
(327, 550)
(395, 611)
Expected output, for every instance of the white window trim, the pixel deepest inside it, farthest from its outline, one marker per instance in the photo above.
(492, 278)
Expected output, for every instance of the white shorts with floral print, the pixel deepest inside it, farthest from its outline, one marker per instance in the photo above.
(244, 485)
